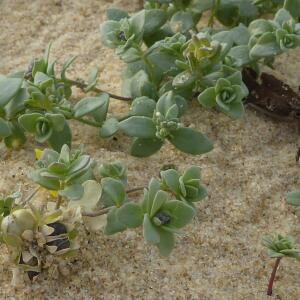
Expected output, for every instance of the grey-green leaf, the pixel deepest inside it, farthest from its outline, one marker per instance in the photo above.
(145, 147)
(90, 104)
(138, 126)
(293, 198)
(130, 214)
(73, 192)
(4, 129)
(190, 141)
(151, 233)
(9, 88)
(109, 128)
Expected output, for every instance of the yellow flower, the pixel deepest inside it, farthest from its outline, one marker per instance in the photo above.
(38, 153)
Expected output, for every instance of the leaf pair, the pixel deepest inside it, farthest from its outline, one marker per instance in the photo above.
(152, 125)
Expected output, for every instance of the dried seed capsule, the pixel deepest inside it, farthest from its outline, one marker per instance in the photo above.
(32, 262)
(59, 228)
(32, 274)
(61, 244)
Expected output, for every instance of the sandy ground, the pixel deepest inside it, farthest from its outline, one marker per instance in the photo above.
(248, 174)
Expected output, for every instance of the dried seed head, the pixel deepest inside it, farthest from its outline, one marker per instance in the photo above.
(59, 228)
(60, 244)
(32, 275)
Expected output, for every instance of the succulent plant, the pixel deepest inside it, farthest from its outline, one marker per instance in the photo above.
(163, 217)
(63, 172)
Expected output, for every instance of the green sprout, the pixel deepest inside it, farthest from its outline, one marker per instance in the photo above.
(279, 247)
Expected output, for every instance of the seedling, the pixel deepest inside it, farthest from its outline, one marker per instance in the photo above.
(280, 246)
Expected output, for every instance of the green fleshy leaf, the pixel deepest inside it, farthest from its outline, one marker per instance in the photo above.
(17, 137)
(58, 168)
(171, 179)
(92, 80)
(64, 155)
(50, 184)
(28, 121)
(293, 198)
(116, 14)
(90, 104)
(43, 80)
(57, 120)
(151, 233)
(113, 223)
(73, 192)
(78, 167)
(236, 110)
(182, 21)
(138, 22)
(142, 106)
(9, 87)
(191, 173)
(283, 15)
(39, 66)
(145, 147)
(221, 84)
(240, 54)
(165, 102)
(108, 31)
(109, 128)
(58, 139)
(153, 188)
(138, 126)
(181, 213)
(293, 7)
(5, 129)
(159, 200)
(208, 98)
(113, 192)
(16, 104)
(266, 46)
(190, 141)
(130, 214)
(140, 85)
(166, 243)
(154, 19)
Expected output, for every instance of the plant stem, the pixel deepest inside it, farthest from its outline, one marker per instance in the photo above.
(272, 278)
(83, 85)
(59, 200)
(137, 189)
(106, 210)
(59, 197)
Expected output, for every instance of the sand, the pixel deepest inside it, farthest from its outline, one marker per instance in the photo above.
(248, 175)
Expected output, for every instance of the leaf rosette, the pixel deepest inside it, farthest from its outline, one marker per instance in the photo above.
(163, 217)
(162, 123)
